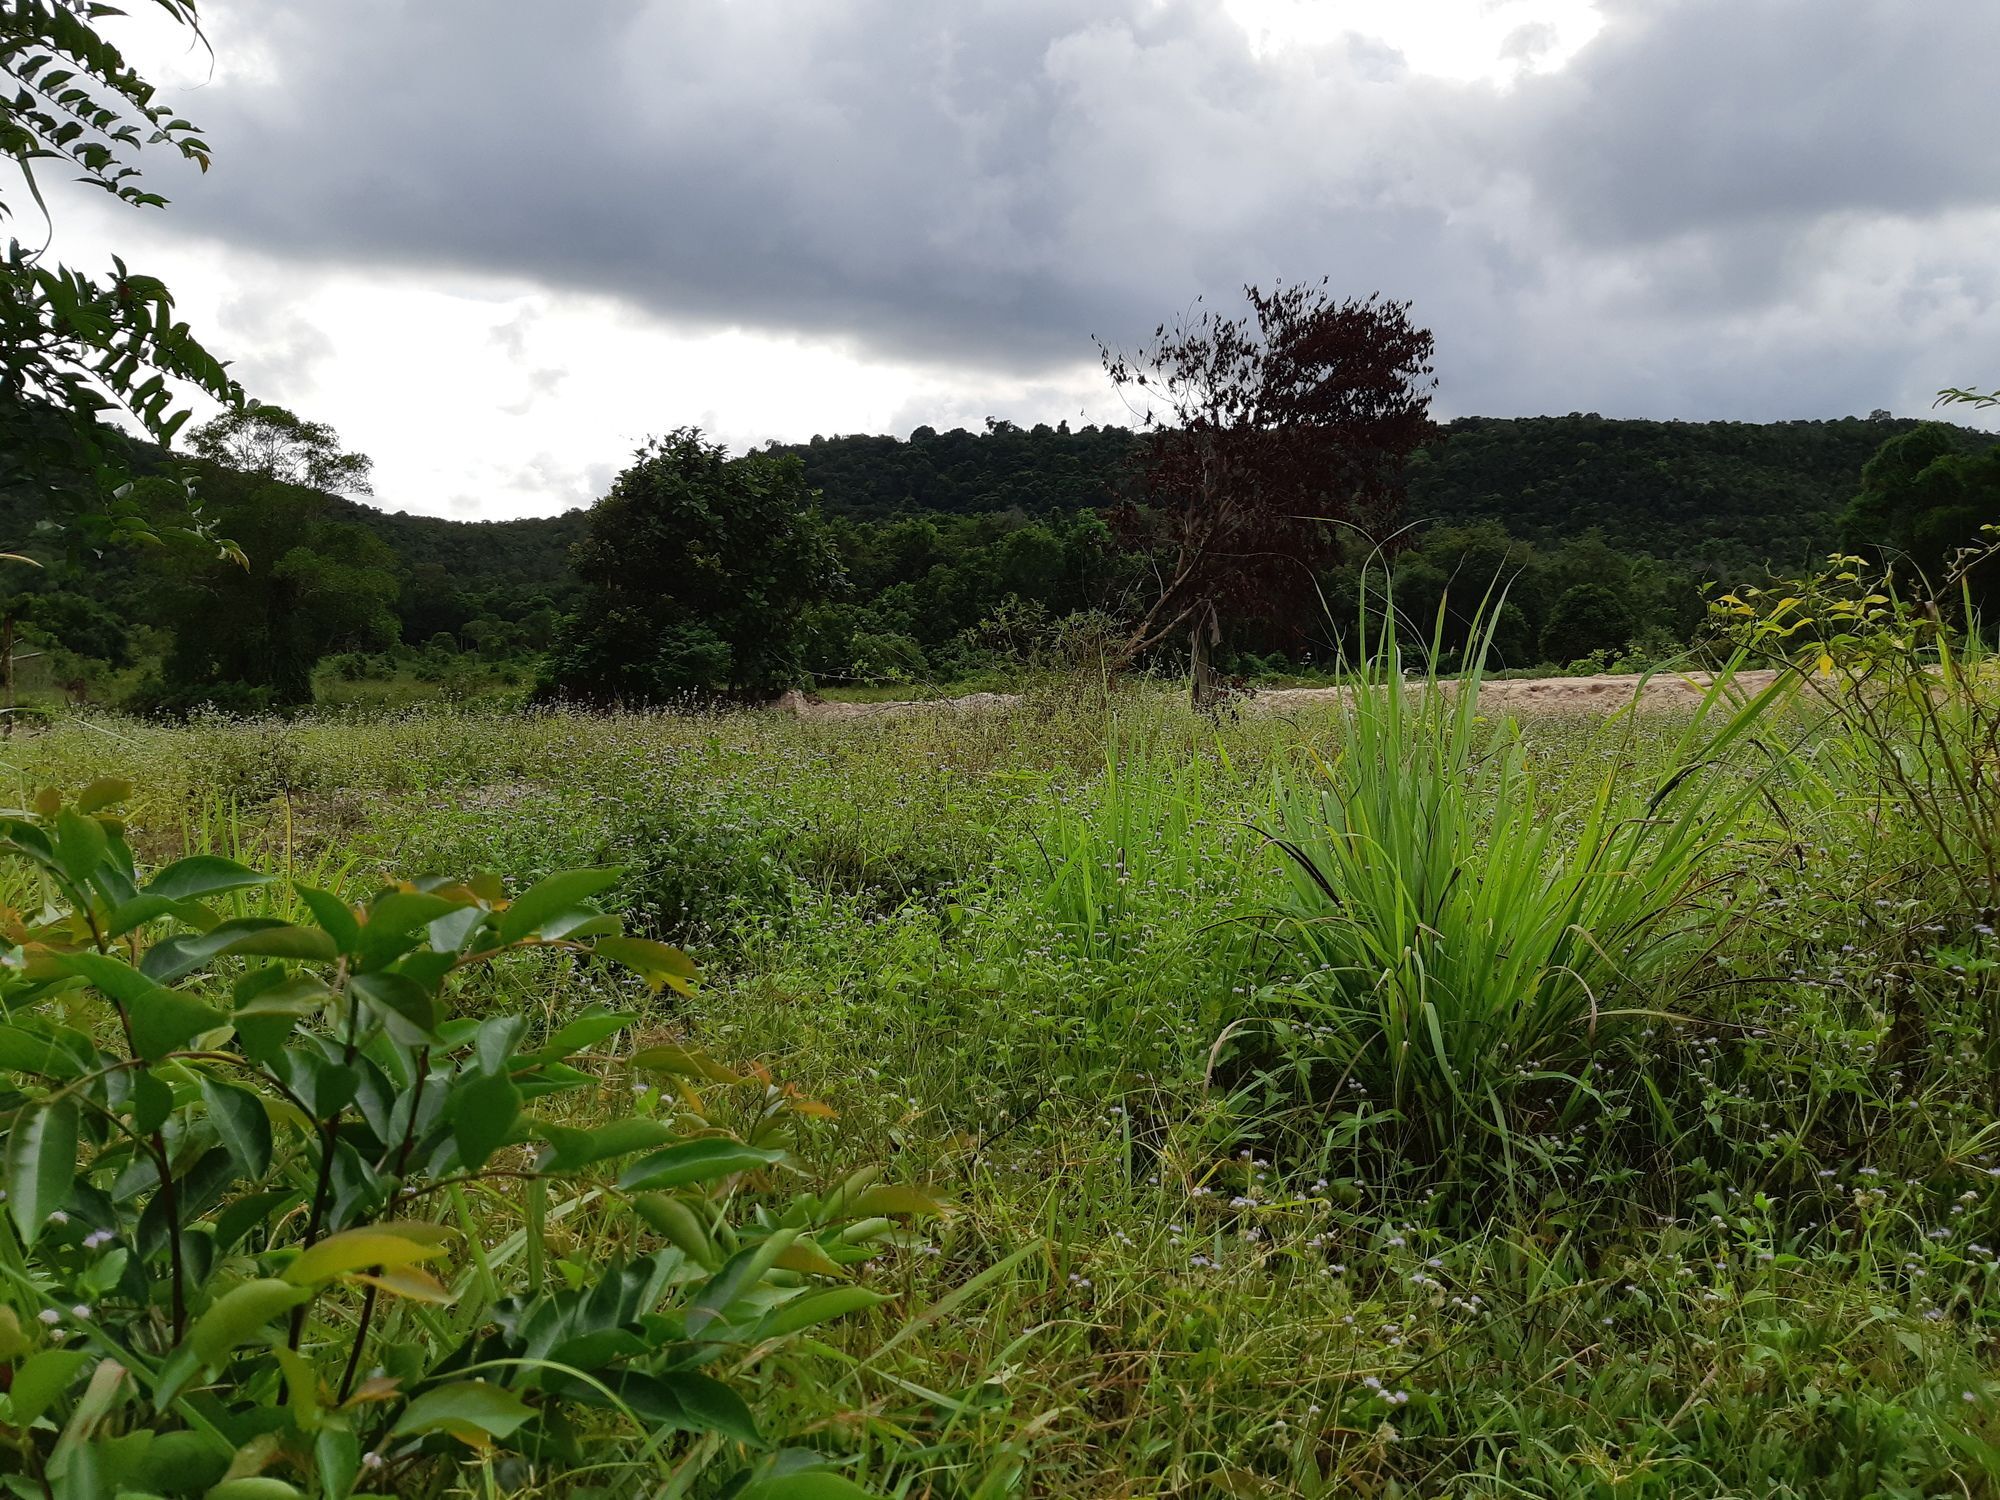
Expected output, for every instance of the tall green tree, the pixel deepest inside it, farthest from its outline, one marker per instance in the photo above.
(1587, 617)
(249, 636)
(697, 572)
(1924, 495)
(272, 443)
(70, 342)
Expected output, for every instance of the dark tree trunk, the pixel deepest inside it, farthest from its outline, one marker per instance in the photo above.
(7, 673)
(1206, 634)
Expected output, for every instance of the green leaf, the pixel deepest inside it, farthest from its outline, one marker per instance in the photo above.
(41, 1379)
(680, 1224)
(578, 923)
(267, 1017)
(202, 875)
(152, 1101)
(817, 1307)
(570, 1149)
(406, 1008)
(126, 915)
(667, 1058)
(105, 791)
(240, 1119)
(701, 1160)
(551, 898)
(38, 1163)
(337, 1457)
(391, 920)
(162, 1019)
(253, 1487)
(239, 1314)
(24, 1051)
(333, 914)
(482, 1109)
(657, 963)
(358, 1249)
(80, 844)
(585, 1030)
(711, 1406)
(811, 1486)
(182, 1463)
(448, 934)
(170, 1020)
(739, 1274)
(890, 1198)
(495, 1041)
(462, 1408)
(263, 937)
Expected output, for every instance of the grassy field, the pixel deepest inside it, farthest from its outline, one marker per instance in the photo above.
(1383, 1104)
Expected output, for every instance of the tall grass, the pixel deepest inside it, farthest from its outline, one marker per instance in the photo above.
(1112, 865)
(1469, 951)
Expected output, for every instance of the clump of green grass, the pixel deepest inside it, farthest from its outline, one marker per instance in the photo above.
(1467, 953)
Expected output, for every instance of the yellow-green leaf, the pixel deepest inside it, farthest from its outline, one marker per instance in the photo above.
(471, 1410)
(364, 1249)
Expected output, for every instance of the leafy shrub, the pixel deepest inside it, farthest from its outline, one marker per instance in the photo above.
(1906, 737)
(1588, 617)
(231, 1138)
(154, 697)
(704, 873)
(887, 656)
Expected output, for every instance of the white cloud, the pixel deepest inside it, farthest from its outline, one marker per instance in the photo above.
(1490, 40)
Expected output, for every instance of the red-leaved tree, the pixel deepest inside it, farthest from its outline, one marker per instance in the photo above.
(1268, 436)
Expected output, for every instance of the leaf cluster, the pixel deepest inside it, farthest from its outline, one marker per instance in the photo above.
(237, 1134)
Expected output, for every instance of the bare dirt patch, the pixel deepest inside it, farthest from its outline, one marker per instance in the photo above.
(1600, 694)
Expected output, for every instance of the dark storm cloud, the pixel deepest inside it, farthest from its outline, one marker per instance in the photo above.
(1708, 116)
(875, 168)
(974, 181)
(988, 182)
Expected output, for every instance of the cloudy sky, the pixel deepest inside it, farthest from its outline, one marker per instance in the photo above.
(497, 242)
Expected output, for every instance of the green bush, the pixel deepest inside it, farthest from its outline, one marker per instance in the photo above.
(704, 873)
(887, 656)
(241, 1148)
(1587, 618)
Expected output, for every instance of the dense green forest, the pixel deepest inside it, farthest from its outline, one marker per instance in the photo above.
(1678, 490)
(1722, 498)
(961, 555)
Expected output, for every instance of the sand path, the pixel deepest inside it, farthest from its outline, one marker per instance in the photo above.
(1600, 694)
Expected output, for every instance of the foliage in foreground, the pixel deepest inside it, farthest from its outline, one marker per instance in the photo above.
(242, 1152)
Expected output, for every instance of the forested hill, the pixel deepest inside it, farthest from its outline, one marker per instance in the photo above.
(946, 538)
(1034, 470)
(514, 554)
(1714, 495)
(1720, 497)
